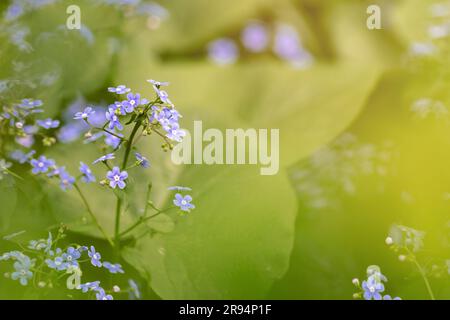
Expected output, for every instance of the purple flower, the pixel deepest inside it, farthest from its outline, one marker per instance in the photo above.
(21, 156)
(41, 165)
(84, 114)
(66, 180)
(223, 51)
(158, 83)
(71, 256)
(106, 157)
(112, 141)
(113, 268)
(30, 129)
(388, 297)
(167, 117)
(133, 101)
(95, 257)
(116, 178)
(288, 47)
(55, 171)
(14, 11)
(101, 295)
(70, 132)
(143, 161)
(22, 271)
(118, 108)
(164, 96)
(113, 119)
(134, 290)
(94, 137)
(99, 117)
(87, 173)
(119, 89)
(183, 202)
(48, 123)
(85, 287)
(179, 188)
(57, 262)
(175, 133)
(372, 289)
(26, 141)
(30, 103)
(254, 37)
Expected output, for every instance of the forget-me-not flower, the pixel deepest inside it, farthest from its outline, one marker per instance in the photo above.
(113, 268)
(113, 119)
(106, 157)
(121, 89)
(48, 123)
(143, 161)
(175, 133)
(85, 114)
(41, 165)
(133, 100)
(101, 295)
(71, 256)
(372, 289)
(85, 287)
(117, 178)
(87, 173)
(22, 271)
(184, 203)
(95, 257)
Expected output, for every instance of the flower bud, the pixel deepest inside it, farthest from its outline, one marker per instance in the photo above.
(355, 281)
(116, 289)
(88, 134)
(402, 257)
(19, 125)
(356, 296)
(389, 241)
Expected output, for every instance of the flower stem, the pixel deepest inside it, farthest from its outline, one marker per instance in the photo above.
(129, 142)
(422, 273)
(94, 218)
(425, 279)
(144, 219)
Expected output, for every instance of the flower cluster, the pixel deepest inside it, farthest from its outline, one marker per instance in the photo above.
(405, 240)
(19, 118)
(128, 118)
(48, 258)
(372, 288)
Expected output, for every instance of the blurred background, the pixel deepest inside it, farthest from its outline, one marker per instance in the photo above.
(364, 138)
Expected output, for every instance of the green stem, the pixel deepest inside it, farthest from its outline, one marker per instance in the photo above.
(422, 273)
(13, 174)
(94, 218)
(425, 279)
(119, 200)
(144, 219)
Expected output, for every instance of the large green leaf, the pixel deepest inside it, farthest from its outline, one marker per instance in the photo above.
(233, 245)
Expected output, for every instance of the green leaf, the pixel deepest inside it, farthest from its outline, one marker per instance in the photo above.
(233, 245)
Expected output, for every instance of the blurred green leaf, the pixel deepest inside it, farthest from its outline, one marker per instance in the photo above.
(233, 245)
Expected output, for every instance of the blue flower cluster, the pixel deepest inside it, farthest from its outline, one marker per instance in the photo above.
(129, 109)
(22, 265)
(373, 287)
(67, 260)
